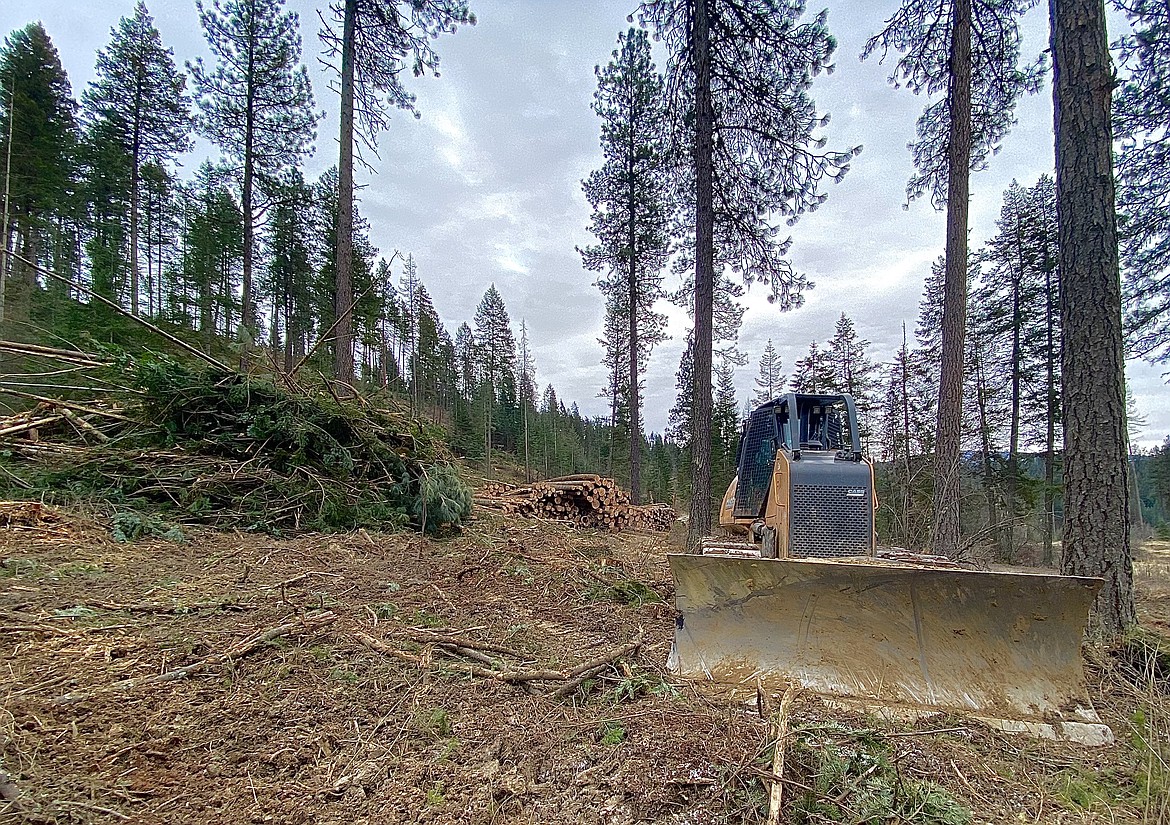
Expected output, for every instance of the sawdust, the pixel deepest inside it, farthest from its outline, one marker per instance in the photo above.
(315, 727)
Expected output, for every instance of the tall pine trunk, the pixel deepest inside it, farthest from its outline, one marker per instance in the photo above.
(246, 310)
(1096, 492)
(945, 528)
(985, 439)
(635, 424)
(1009, 535)
(1051, 412)
(134, 202)
(343, 336)
(700, 515)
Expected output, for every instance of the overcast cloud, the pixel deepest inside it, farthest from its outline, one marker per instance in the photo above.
(485, 187)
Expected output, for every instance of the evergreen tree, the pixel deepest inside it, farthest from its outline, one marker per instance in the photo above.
(256, 104)
(377, 41)
(975, 59)
(290, 267)
(770, 381)
(1013, 304)
(38, 137)
(410, 286)
(631, 209)
(212, 252)
(725, 427)
(905, 435)
(497, 359)
(738, 77)
(105, 187)
(527, 387)
(1096, 489)
(853, 371)
(1141, 113)
(141, 97)
(814, 373)
(680, 427)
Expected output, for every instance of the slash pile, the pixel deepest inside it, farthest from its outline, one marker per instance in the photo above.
(582, 500)
(230, 450)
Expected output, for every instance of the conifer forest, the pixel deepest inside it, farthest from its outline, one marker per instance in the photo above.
(217, 313)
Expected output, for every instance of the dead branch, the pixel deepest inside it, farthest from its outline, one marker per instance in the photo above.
(776, 798)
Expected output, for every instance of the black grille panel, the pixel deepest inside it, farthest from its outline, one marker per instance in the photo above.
(830, 521)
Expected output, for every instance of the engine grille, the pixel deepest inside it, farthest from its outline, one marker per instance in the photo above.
(830, 521)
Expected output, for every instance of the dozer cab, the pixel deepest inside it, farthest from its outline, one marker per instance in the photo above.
(807, 597)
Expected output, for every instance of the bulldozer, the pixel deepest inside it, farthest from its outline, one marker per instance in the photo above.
(805, 594)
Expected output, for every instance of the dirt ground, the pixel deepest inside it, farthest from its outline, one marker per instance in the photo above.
(315, 691)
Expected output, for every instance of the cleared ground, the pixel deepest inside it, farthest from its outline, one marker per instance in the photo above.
(322, 686)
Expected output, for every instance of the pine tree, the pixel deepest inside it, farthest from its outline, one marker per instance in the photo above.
(725, 427)
(630, 196)
(290, 267)
(377, 41)
(1013, 303)
(853, 371)
(527, 386)
(975, 59)
(496, 350)
(1141, 113)
(770, 381)
(256, 104)
(141, 96)
(1096, 491)
(738, 77)
(813, 374)
(410, 285)
(38, 137)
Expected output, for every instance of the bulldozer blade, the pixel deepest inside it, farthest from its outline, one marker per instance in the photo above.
(1001, 645)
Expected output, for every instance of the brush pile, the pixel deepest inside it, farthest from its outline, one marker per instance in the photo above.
(580, 500)
(221, 448)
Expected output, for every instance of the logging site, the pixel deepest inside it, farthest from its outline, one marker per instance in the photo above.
(479, 411)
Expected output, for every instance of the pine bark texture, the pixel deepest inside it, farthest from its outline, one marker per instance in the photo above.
(343, 342)
(700, 515)
(945, 528)
(1096, 492)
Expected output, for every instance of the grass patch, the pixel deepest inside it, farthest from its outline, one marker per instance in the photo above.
(853, 780)
(424, 618)
(611, 733)
(626, 591)
(434, 723)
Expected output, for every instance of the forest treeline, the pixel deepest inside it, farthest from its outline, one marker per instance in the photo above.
(247, 255)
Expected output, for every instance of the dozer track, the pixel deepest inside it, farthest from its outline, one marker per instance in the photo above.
(1004, 645)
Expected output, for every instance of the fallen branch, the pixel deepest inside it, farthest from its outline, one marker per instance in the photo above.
(776, 798)
(511, 676)
(178, 609)
(571, 678)
(304, 624)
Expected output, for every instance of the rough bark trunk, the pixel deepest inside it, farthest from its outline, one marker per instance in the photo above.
(246, 310)
(134, 202)
(700, 515)
(635, 425)
(1009, 535)
(1096, 492)
(343, 340)
(945, 527)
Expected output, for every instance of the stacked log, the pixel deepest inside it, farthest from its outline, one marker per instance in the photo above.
(583, 500)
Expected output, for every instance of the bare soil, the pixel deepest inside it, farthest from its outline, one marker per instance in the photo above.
(316, 726)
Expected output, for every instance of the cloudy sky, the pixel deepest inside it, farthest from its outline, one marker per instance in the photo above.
(485, 187)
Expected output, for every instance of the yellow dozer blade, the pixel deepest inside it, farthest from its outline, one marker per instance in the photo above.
(1000, 645)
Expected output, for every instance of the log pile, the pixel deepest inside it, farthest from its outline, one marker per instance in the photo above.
(581, 500)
